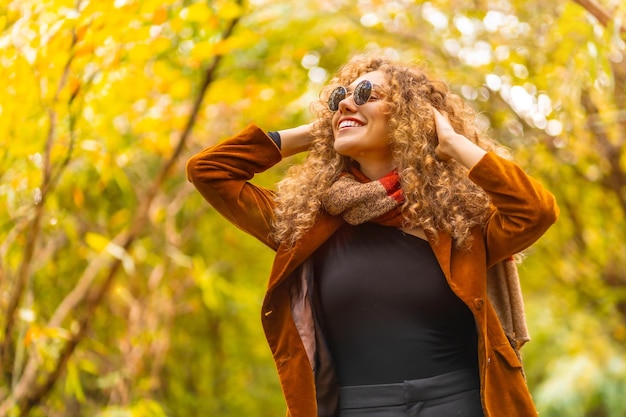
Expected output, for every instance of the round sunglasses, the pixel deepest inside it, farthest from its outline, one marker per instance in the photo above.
(362, 93)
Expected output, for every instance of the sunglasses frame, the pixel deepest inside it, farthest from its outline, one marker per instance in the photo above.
(361, 94)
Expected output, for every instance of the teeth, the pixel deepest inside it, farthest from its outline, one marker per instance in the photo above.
(349, 123)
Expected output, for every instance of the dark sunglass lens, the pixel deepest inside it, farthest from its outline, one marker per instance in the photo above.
(362, 92)
(336, 96)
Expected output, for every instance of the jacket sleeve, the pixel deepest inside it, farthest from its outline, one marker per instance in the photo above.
(221, 173)
(524, 209)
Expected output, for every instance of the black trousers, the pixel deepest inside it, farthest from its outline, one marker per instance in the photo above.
(455, 394)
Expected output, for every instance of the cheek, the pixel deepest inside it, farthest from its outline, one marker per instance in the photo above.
(382, 125)
(333, 123)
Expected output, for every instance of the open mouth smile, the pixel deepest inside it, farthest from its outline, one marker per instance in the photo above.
(349, 123)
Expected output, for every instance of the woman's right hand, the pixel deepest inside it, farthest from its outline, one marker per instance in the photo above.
(295, 140)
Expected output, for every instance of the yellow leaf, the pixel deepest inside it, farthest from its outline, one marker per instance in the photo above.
(86, 48)
(160, 16)
(180, 89)
(96, 241)
(33, 333)
(176, 24)
(198, 12)
(79, 198)
(80, 32)
(73, 385)
(230, 11)
(140, 52)
(147, 124)
(56, 333)
(223, 47)
(73, 84)
(161, 44)
(202, 51)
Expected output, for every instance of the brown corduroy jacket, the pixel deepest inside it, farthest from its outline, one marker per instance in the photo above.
(524, 210)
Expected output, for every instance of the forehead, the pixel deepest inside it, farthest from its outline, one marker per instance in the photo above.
(375, 77)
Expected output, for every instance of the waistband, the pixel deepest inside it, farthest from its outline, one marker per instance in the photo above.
(411, 391)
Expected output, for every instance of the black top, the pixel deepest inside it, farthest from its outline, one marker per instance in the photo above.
(387, 311)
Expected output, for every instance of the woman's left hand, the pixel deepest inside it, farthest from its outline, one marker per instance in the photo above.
(453, 145)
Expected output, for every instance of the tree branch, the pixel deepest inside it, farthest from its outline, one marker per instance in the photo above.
(34, 227)
(596, 10)
(615, 180)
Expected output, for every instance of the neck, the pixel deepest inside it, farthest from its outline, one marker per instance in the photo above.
(375, 169)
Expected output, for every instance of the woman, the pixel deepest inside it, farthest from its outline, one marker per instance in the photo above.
(377, 303)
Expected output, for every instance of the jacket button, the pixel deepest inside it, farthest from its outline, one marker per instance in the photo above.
(479, 303)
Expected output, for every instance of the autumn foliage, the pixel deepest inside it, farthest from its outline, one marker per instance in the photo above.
(123, 294)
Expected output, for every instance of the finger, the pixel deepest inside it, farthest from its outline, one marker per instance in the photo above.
(441, 115)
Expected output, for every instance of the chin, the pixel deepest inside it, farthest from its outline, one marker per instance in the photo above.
(342, 149)
(344, 143)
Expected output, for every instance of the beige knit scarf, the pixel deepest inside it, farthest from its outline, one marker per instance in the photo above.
(358, 200)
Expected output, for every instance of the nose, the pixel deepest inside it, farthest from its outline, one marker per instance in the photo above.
(347, 104)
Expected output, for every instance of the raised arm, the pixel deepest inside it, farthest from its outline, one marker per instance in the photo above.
(455, 146)
(295, 140)
(221, 173)
(524, 209)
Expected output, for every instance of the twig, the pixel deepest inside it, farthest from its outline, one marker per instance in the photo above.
(597, 11)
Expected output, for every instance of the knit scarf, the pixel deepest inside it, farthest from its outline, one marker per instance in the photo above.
(358, 199)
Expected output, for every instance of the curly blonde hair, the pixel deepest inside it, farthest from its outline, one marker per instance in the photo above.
(439, 197)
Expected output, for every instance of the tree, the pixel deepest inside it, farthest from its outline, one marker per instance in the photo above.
(124, 293)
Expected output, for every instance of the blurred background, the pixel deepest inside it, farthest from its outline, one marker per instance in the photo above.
(124, 294)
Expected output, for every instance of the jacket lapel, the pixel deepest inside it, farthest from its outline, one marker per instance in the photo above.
(288, 258)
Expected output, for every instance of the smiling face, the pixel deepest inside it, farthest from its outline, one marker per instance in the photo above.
(360, 132)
